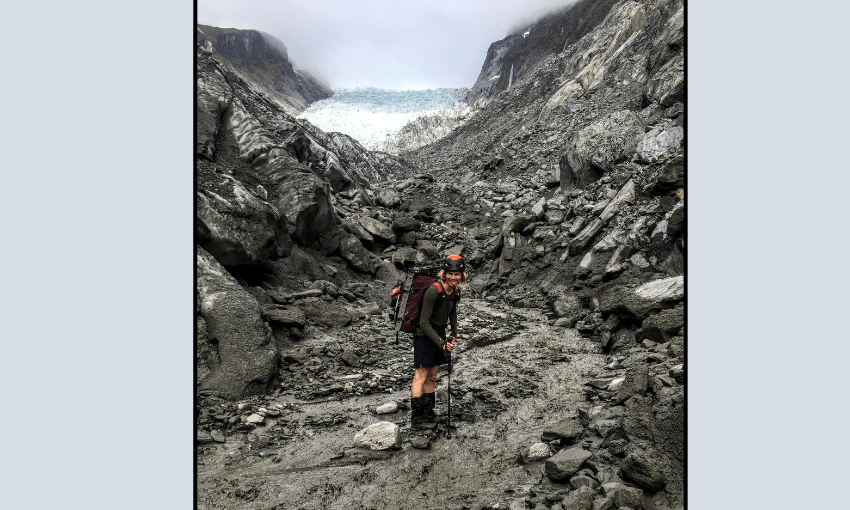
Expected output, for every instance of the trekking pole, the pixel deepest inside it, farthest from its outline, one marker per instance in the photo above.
(449, 400)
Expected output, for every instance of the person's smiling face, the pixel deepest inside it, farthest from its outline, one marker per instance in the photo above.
(453, 278)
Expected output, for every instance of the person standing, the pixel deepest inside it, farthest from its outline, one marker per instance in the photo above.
(430, 341)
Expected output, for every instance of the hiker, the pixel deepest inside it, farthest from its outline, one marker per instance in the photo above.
(430, 341)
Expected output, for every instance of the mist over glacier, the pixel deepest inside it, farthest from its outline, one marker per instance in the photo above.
(370, 115)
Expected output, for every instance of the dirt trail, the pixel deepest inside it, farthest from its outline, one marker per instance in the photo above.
(507, 391)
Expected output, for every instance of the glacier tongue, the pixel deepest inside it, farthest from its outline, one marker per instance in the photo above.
(375, 117)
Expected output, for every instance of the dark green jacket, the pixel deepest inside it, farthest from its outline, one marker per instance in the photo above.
(433, 314)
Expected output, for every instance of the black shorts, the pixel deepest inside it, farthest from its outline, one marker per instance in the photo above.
(426, 354)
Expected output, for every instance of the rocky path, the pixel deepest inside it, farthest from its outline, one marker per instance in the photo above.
(506, 391)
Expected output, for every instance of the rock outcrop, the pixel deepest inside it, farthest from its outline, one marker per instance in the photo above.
(263, 61)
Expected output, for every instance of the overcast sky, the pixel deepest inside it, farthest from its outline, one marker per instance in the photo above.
(394, 44)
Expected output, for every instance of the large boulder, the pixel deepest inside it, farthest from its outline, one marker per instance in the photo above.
(566, 463)
(387, 197)
(580, 242)
(304, 200)
(377, 229)
(624, 496)
(642, 301)
(663, 325)
(567, 428)
(643, 468)
(325, 314)
(658, 142)
(353, 252)
(581, 499)
(596, 148)
(379, 436)
(242, 229)
(247, 356)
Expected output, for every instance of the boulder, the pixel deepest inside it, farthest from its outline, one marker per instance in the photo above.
(584, 238)
(326, 287)
(242, 230)
(579, 481)
(516, 223)
(671, 176)
(379, 436)
(624, 196)
(642, 301)
(387, 197)
(247, 356)
(377, 229)
(406, 224)
(536, 451)
(389, 407)
(350, 358)
(323, 313)
(581, 499)
(353, 252)
(659, 141)
(351, 226)
(567, 428)
(663, 325)
(304, 199)
(566, 463)
(285, 317)
(635, 383)
(596, 148)
(623, 496)
(539, 208)
(404, 255)
(643, 468)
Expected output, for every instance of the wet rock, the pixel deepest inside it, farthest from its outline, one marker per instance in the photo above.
(659, 141)
(623, 496)
(204, 438)
(642, 301)
(356, 229)
(244, 229)
(387, 197)
(376, 229)
(671, 177)
(580, 481)
(566, 463)
(217, 436)
(598, 146)
(255, 418)
(635, 383)
(581, 499)
(643, 469)
(295, 356)
(603, 504)
(326, 287)
(516, 223)
(567, 428)
(663, 325)
(389, 407)
(536, 451)
(403, 256)
(584, 238)
(620, 200)
(350, 358)
(678, 373)
(323, 313)
(247, 357)
(421, 442)
(304, 199)
(285, 317)
(379, 436)
(406, 224)
(638, 421)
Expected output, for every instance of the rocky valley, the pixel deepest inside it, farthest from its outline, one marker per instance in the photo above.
(563, 187)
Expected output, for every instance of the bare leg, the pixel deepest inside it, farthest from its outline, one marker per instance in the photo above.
(431, 380)
(420, 375)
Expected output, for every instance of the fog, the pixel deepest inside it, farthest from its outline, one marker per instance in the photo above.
(382, 43)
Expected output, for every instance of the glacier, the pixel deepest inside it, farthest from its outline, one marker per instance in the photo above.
(374, 117)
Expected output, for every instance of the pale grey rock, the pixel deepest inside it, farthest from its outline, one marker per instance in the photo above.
(389, 407)
(566, 463)
(379, 436)
(660, 141)
(624, 496)
(247, 356)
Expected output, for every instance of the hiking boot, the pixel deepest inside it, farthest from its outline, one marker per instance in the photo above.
(416, 406)
(428, 405)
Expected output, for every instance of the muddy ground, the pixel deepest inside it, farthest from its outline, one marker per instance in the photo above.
(504, 394)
